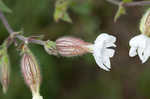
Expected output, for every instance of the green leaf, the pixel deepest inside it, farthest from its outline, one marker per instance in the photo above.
(61, 11)
(58, 15)
(66, 18)
(4, 8)
(121, 11)
(126, 1)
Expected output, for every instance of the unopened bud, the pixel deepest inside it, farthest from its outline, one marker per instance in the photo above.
(145, 23)
(71, 46)
(4, 70)
(31, 72)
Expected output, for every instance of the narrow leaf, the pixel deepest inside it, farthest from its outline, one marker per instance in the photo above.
(61, 7)
(66, 18)
(126, 1)
(4, 8)
(121, 11)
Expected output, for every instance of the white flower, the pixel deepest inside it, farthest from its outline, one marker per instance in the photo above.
(140, 45)
(102, 52)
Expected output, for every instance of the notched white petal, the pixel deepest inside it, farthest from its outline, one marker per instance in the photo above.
(109, 52)
(106, 62)
(140, 45)
(132, 52)
(138, 41)
(99, 61)
(105, 37)
(140, 53)
(102, 51)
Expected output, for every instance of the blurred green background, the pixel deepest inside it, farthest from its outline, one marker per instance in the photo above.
(78, 77)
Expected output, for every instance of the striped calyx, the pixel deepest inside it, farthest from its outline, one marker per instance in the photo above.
(31, 72)
(71, 46)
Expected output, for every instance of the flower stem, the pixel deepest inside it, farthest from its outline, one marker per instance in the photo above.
(5, 22)
(11, 31)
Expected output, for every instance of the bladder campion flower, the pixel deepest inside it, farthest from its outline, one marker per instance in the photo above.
(71, 46)
(140, 44)
(101, 50)
(31, 72)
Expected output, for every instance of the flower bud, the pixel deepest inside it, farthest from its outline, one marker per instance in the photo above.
(71, 46)
(31, 72)
(145, 24)
(4, 70)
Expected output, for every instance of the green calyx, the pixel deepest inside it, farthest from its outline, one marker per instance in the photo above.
(50, 44)
(50, 47)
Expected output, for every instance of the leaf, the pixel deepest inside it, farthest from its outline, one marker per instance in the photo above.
(61, 11)
(126, 1)
(121, 11)
(66, 18)
(58, 15)
(4, 8)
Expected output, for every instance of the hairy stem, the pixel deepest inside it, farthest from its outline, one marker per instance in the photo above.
(5, 22)
(11, 31)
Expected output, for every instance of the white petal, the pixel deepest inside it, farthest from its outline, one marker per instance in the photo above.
(106, 62)
(145, 59)
(140, 53)
(109, 52)
(140, 45)
(99, 61)
(132, 52)
(101, 52)
(146, 54)
(138, 41)
(105, 37)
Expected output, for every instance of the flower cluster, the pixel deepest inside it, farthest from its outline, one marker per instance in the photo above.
(102, 50)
